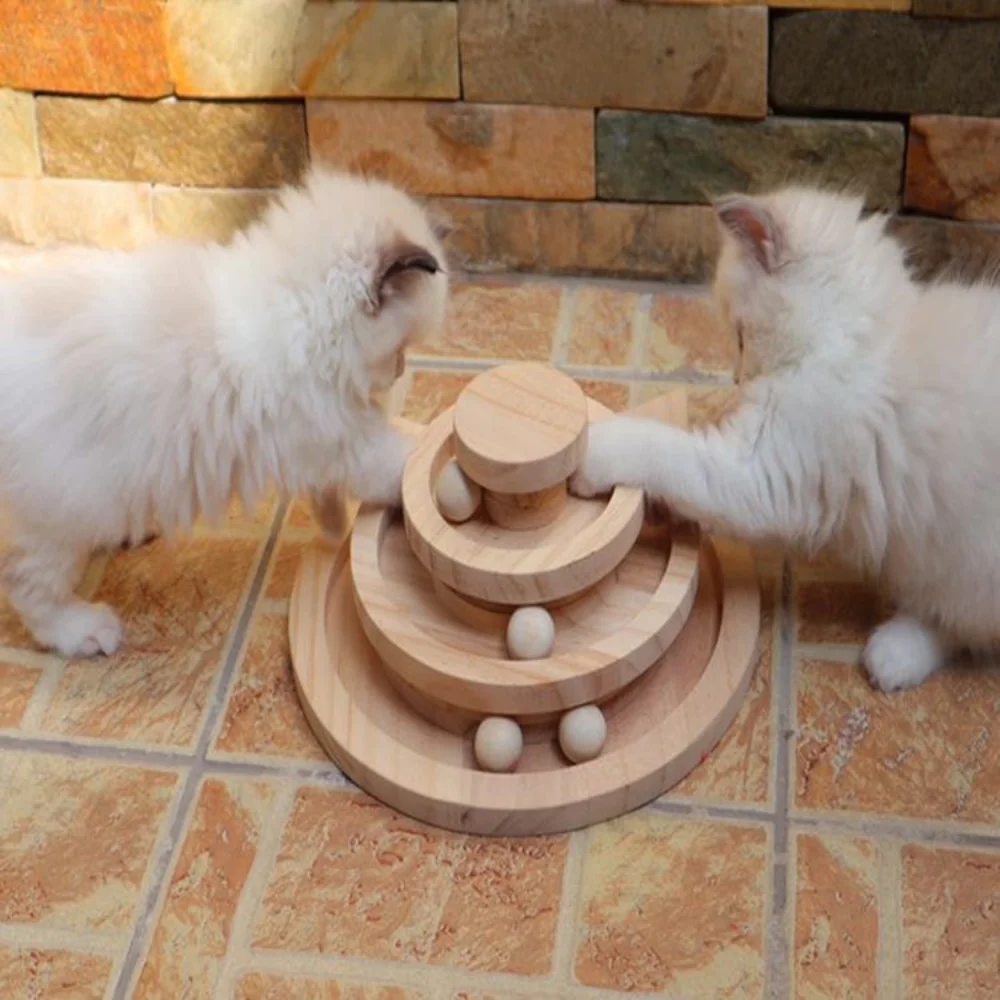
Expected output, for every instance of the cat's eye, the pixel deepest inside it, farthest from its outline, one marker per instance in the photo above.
(739, 337)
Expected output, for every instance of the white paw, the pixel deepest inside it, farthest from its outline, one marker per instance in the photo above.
(82, 629)
(902, 653)
(600, 470)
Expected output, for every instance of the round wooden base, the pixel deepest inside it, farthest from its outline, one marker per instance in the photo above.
(659, 727)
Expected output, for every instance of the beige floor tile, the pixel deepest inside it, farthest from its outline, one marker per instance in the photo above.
(602, 327)
(431, 392)
(614, 395)
(930, 752)
(284, 566)
(951, 923)
(263, 715)
(514, 322)
(675, 907)
(262, 986)
(76, 839)
(42, 974)
(836, 918)
(686, 334)
(193, 931)
(179, 605)
(17, 685)
(354, 879)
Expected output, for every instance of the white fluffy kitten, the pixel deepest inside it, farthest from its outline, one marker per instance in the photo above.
(872, 423)
(146, 388)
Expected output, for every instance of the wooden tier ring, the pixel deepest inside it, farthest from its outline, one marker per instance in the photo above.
(659, 728)
(605, 639)
(488, 563)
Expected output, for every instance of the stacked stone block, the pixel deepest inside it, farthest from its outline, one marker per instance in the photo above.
(561, 136)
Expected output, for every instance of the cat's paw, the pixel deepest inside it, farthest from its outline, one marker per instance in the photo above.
(902, 653)
(602, 465)
(330, 511)
(82, 630)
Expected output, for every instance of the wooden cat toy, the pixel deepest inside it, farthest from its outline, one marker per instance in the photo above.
(504, 658)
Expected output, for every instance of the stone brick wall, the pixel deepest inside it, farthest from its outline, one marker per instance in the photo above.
(568, 136)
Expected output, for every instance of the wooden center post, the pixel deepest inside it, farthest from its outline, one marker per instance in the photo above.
(520, 432)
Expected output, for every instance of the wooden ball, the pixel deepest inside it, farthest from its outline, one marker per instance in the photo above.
(498, 744)
(582, 733)
(457, 496)
(531, 634)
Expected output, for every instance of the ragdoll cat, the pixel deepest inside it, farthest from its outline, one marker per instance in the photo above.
(872, 423)
(149, 387)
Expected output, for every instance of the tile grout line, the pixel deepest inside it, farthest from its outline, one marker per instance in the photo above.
(238, 948)
(145, 924)
(679, 376)
(778, 956)
(888, 958)
(30, 936)
(570, 903)
(419, 975)
(642, 335)
(562, 335)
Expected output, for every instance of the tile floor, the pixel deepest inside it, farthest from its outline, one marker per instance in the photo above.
(170, 829)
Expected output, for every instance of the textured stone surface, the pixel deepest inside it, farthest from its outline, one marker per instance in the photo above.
(672, 242)
(951, 923)
(603, 325)
(178, 604)
(686, 333)
(45, 974)
(598, 54)
(18, 138)
(190, 213)
(940, 248)
(678, 158)
(931, 753)
(353, 878)
(972, 9)
(49, 210)
(503, 151)
(236, 48)
(76, 838)
(836, 918)
(642, 871)
(84, 46)
(513, 322)
(173, 142)
(194, 927)
(17, 685)
(263, 986)
(263, 715)
(953, 167)
(889, 63)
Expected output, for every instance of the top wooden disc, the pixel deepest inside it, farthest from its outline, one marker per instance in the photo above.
(520, 428)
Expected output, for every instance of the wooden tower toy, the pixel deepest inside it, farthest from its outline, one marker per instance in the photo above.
(504, 658)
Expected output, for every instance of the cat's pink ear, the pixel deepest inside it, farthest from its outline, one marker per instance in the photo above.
(754, 228)
(400, 265)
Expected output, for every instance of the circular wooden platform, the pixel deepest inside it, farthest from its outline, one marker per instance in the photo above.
(604, 639)
(489, 563)
(659, 727)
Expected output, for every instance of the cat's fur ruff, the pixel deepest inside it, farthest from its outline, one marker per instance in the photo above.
(871, 424)
(150, 387)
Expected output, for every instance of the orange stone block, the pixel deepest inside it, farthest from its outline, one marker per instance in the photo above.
(107, 47)
(503, 151)
(953, 167)
(836, 917)
(951, 923)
